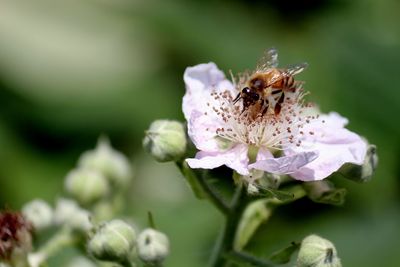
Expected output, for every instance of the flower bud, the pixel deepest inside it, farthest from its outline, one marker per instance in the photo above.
(112, 241)
(152, 246)
(362, 173)
(256, 213)
(38, 213)
(318, 252)
(70, 214)
(106, 160)
(86, 185)
(165, 140)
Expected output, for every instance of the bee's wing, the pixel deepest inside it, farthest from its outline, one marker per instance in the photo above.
(269, 60)
(290, 70)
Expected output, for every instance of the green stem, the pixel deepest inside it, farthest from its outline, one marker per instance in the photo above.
(224, 249)
(212, 195)
(225, 240)
(233, 212)
(244, 257)
(64, 238)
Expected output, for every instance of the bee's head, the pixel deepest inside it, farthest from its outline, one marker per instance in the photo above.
(250, 94)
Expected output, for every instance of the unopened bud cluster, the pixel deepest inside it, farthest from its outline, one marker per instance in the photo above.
(95, 193)
(100, 173)
(70, 214)
(109, 162)
(116, 241)
(86, 185)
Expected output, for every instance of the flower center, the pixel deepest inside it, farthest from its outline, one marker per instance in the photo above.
(261, 127)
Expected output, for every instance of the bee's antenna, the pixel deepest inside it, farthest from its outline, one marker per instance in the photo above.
(237, 98)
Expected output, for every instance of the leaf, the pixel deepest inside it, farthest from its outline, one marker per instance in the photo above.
(283, 256)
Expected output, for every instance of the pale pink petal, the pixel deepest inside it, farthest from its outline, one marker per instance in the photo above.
(235, 158)
(285, 164)
(333, 119)
(263, 154)
(201, 81)
(201, 130)
(335, 145)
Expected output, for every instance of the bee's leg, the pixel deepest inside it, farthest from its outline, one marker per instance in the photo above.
(236, 99)
(278, 105)
(266, 102)
(246, 104)
(275, 91)
(243, 109)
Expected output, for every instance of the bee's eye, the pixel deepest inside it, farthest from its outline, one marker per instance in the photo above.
(255, 96)
(246, 90)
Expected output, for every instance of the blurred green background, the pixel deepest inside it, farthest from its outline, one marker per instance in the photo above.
(72, 70)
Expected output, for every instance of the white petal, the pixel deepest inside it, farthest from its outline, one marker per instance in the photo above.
(235, 158)
(335, 145)
(200, 81)
(201, 130)
(334, 119)
(263, 154)
(285, 164)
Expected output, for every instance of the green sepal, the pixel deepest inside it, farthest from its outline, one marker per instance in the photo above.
(325, 192)
(335, 197)
(364, 172)
(281, 195)
(150, 220)
(283, 256)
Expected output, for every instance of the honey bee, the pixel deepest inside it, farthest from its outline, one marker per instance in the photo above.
(267, 85)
